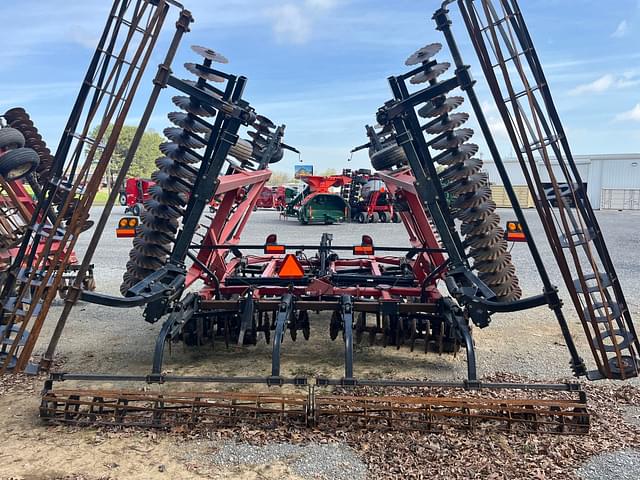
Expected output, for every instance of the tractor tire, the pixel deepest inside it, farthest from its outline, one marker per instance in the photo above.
(242, 150)
(277, 156)
(18, 163)
(136, 210)
(375, 217)
(395, 218)
(384, 217)
(11, 138)
(389, 156)
(123, 199)
(362, 217)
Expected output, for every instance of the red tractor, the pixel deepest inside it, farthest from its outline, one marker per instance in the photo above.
(266, 198)
(282, 195)
(368, 198)
(136, 191)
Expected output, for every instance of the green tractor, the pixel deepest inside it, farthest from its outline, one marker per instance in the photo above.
(316, 204)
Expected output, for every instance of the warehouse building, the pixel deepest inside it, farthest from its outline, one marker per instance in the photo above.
(612, 180)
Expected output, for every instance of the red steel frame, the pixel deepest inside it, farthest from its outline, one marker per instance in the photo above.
(238, 194)
(19, 198)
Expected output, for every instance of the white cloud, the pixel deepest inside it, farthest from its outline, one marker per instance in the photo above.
(321, 4)
(83, 36)
(621, 30)
(606, 82)
(293, 22)
(633, 114)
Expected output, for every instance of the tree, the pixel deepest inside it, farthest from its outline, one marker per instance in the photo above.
(143, 163)
(328, 172)
(279, 178)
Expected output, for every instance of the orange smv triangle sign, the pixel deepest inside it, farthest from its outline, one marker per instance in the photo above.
(290, 267)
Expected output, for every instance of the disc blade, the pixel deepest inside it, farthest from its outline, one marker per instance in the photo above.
(436, 108)
(209, 54)
(183, 138)
(178, 153)
(454, 139)
(424, 54)
(431, 74)
(188, 122)
(201, 73)
(448, 123)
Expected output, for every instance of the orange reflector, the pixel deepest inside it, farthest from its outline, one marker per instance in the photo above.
(123, 222)
(125, 232)
(514, 233)
(363, 250)
(274, 248)
(291, 267)
(133, 222)
(516, 237)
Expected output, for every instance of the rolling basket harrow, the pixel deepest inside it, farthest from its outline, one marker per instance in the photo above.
(197, 277)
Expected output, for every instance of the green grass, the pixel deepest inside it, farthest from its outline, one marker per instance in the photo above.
(100, 200)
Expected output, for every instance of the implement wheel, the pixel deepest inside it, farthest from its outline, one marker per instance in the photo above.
(10, 138)
(18, 163)
(390, 155)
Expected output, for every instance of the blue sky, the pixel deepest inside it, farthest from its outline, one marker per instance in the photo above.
(320, 66)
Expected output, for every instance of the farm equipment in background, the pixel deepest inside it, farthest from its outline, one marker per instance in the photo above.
(317, 204)
(22, 173)
(135, 193)
(283, 195)
(266, 198)
(452, 277)
(368, 199)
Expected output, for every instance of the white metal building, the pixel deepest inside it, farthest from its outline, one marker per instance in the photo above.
(613, 180)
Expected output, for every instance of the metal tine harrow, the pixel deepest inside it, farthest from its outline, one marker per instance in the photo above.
(360, 409)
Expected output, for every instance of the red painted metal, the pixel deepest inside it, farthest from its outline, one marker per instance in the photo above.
(137, 190)
(415, 219)
(266, 198)
(16, 196)
(319, 184)
(239, 193)
(237, 196)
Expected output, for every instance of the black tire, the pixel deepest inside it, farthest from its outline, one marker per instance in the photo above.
(136, 209)
(384, 218)
(18, 163)
(277, 156)
(395, 218)
(242, 150)
(11, 138)
(123, 199)
(362, 217)
(389, 156)
(375, 217)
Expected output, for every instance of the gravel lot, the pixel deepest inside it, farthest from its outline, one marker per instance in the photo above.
(100, 340)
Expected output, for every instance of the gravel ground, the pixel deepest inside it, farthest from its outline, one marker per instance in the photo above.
(330, 461)
(620, 465)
